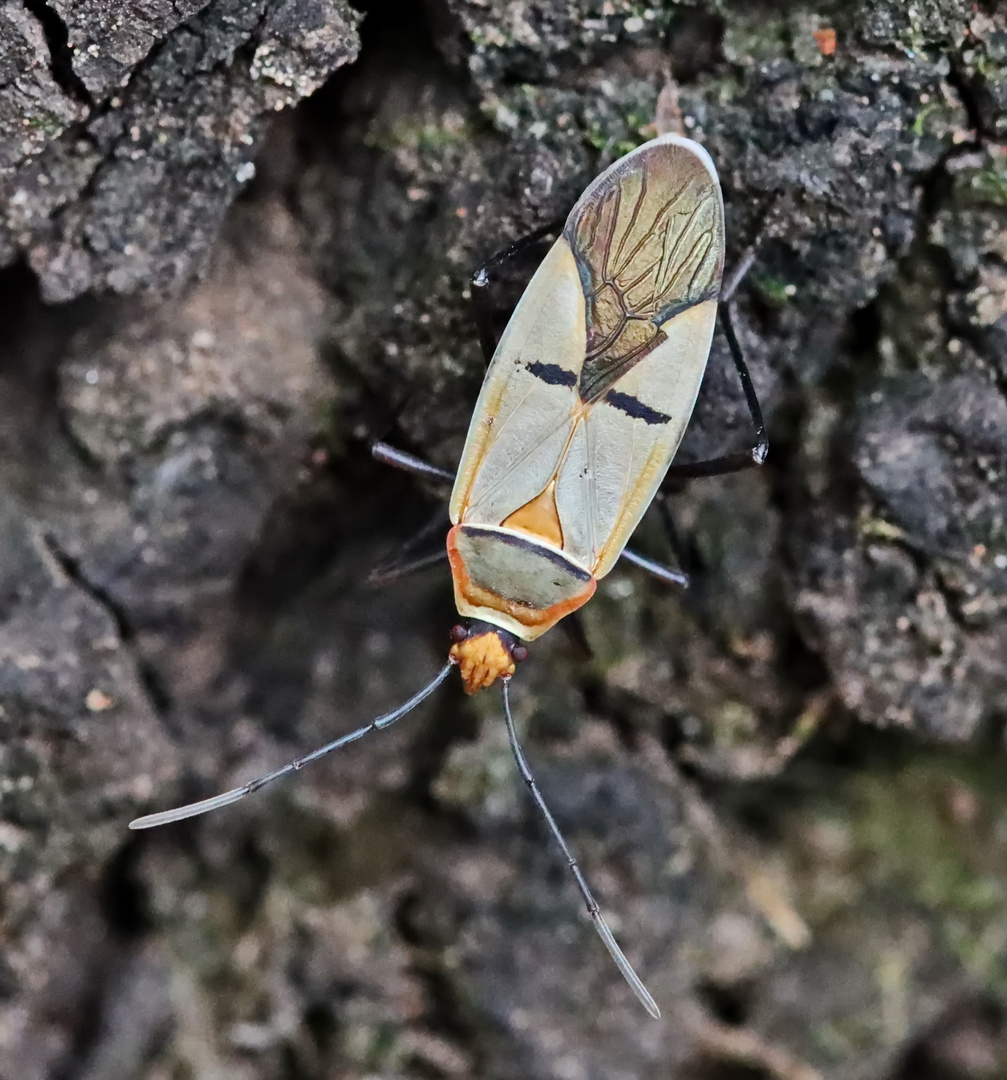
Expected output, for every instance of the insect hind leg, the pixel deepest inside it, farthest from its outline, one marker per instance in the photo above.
(743, 459)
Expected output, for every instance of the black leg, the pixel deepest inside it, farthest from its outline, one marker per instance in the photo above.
(745, 459)
(401, 567)
(481, 281)
(389, 572)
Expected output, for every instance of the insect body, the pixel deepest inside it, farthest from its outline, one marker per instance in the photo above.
(586, 399)
(584, 404)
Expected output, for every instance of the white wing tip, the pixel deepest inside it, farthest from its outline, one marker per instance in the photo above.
(686, 143)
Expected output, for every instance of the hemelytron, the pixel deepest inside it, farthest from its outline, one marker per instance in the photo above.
(584, 405)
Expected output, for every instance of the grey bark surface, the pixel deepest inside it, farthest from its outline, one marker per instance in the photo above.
(786, 785)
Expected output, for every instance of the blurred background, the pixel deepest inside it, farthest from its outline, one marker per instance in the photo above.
(237, 240)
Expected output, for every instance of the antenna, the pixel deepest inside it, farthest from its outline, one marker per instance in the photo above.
(634, 980)
(165, 817)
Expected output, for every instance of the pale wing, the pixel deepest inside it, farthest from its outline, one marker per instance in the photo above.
(525, 410)
(648, 236)
(596, 375)
(625, 454)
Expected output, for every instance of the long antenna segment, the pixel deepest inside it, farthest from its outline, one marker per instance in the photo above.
(634, 980)
(204, 806)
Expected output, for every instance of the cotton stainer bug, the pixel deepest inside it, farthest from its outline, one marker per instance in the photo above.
(585, 402)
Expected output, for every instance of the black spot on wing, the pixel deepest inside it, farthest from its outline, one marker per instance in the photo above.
(634, 407)
(552, 374)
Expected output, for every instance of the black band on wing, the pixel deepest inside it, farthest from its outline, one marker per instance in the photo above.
(634, 407)
(552, 374)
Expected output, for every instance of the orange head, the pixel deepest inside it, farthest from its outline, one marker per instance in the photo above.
(484, 653)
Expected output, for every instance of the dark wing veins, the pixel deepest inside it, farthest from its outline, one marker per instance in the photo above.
(643, 256)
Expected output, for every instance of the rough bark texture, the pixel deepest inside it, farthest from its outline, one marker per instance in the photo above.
(787, 784)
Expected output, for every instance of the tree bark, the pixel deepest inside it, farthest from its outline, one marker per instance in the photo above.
(784, 785)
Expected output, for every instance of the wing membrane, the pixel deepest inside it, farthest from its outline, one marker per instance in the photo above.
(648, 240)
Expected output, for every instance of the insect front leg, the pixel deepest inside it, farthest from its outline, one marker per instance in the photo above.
(482, 279)
(744, 459)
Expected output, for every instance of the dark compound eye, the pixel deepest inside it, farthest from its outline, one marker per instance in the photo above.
(458, 633)
(519, 653)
